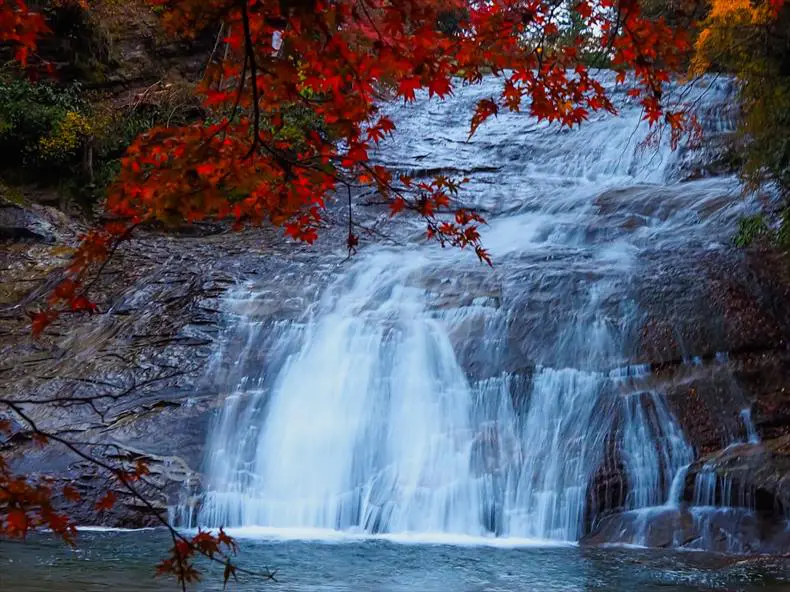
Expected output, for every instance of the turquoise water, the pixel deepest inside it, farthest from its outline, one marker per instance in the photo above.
(124, 561)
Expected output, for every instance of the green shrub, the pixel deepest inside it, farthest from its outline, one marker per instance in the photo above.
(32, 115)
(52, 136)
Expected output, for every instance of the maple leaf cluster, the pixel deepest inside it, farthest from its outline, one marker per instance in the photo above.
(338, 60)
(180, 563)
(27, 504)
(21, 28)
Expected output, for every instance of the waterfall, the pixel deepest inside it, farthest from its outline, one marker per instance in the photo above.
(655, 451)
(752, 437)
(422, 393)
(383, 413)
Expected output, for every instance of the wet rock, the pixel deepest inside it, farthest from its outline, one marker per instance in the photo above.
(609, 488)
(720, 530)
(133, 379)
(719, 348)
(723, 530)
(654, 527)
(699, 304)
(162, 302)
(707, 401)
(758, 473)
(735, 501)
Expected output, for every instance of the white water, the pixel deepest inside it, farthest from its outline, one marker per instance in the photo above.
(423, 395)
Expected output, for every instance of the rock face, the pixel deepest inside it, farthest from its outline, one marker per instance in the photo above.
(19, 223)
(716, 337)
(121, 48)
(733, 501)
(132, 379)
(713, 331)
(754, 475)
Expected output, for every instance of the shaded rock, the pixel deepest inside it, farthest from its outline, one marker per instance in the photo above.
(699, 304)
(28, 222)
(607, 492)
(735, 501)
(707, 402)
(723, 530)
(708, 399)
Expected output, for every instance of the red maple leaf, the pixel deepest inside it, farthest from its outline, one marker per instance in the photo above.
(16, 522)
(106, 502)
(408, 86)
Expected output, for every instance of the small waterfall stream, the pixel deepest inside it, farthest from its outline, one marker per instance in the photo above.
(421, 393)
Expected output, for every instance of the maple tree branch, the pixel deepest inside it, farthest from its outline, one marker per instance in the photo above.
(121, 476)
(377, 233)
(373, 24)
(249, 50)
(181, 568)
(125, 236)
(92, 400)
(351, 238)
(213, 51)
(240, 91)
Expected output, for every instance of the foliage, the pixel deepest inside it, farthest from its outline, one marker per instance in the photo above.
(20, 27)
(49, 131)
(39, 124)
(293, 110)
(755, 228)
(27, 504)
(783, 232)
(79, 41)
(752, 39)
(67, 137)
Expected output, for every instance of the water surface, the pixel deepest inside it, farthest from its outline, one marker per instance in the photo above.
(124, 561)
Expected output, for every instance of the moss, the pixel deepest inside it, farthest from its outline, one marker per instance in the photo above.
(750, 229)
(11, 195)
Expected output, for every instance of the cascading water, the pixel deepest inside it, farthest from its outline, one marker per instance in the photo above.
(423, 393)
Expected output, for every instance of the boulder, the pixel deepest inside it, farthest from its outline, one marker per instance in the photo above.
(29, 222)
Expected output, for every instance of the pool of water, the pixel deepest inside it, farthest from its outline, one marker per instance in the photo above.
(125, 561)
